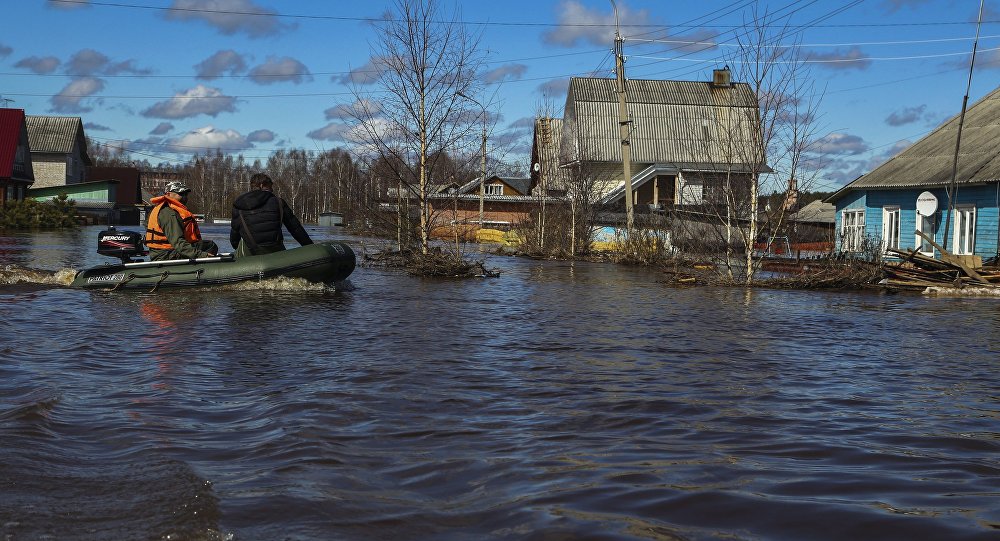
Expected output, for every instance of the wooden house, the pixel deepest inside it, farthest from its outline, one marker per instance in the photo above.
(910, 192)
(58, 150)
(507, 201)
(686, 139)
(16, 171)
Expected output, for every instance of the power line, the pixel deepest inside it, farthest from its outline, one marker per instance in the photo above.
(486, 23)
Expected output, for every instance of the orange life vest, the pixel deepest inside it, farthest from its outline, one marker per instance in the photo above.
(155, 238)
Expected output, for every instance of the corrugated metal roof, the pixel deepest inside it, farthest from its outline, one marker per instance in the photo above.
(55, 134)
(816, 212)
(547, 152)
(673, 121)
(698, 93)
(11, 125)
(929, 162)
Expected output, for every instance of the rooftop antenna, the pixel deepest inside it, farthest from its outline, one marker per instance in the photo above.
(952, 190)
(6, 101)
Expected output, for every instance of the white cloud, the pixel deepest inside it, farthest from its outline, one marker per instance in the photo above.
(555, 88)
(71, 4)
(510, 72)
(200, 100)
(841, 143)
(39, 65)
(365, 75)
(69, 99)
(220, 63)
(277, 70)
(853, 58)
(87, 62)
(362, 108)
(595, 27)
(162, 128)
(334, 131)
(229, 16)
(207, 139)
(906, 115)
(93, 126)
(260, 136)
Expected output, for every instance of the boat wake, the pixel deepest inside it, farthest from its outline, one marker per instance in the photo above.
(15, 275)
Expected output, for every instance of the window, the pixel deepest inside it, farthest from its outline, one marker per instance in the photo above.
(965, 230)
(494, 189)
(853, 232)
(890, 228)
(692, 191)
(926, 225)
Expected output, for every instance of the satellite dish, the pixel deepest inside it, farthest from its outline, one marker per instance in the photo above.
(537, 167)
(927, 204)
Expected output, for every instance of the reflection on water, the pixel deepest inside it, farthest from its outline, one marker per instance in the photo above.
(558, 401)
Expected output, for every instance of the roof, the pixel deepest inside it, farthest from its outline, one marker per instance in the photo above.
(522, 185)
(930, 161)
(673, 122)
(546, 152)
(56, 134)
(11, 128)
(817, 211)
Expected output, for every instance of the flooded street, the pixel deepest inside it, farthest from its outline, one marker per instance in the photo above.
(558, 401)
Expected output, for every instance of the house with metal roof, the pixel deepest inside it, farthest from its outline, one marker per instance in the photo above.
(546, 157)
(920, 192)
(687, 138)
(16, 172)
(58, 150)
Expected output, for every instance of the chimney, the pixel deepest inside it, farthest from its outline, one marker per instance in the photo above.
(722, 78)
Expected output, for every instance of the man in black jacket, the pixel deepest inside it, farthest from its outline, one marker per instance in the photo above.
(257, 219)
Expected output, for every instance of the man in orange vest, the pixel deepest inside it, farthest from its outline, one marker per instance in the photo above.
(172, 231)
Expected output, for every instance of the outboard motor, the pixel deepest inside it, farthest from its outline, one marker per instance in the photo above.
(121, 244)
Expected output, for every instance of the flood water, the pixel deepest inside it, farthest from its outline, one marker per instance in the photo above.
(558, 401)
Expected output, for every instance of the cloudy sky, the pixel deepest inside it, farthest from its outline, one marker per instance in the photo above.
(174, 77)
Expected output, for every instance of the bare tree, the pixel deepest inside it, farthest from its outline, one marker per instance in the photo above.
(425, 58)
(755, 150)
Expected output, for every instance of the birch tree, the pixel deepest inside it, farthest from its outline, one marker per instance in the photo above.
(425, 57)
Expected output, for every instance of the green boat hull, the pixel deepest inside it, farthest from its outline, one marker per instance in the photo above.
(323, 262)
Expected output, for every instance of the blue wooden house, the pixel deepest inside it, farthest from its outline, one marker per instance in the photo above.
(914, 192)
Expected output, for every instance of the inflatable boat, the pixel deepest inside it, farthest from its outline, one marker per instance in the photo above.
(325, 262)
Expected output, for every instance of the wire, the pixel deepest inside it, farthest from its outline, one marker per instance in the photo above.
(480, 23)
(808, 61)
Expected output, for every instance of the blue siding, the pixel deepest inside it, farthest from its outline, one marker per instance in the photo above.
(985, 198)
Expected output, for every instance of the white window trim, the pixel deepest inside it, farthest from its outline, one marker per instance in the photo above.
(970, 247)
(918, 240)
(850, 240)
(491, 189)
(887, 232)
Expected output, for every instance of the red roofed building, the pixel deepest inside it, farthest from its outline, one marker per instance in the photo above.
(16, 173)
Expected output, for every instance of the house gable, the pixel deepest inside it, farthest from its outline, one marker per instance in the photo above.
(59, 150)
(16, 171)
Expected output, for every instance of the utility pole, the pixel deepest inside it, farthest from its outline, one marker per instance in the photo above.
(624, 124)
(952, 190)
(482, 179)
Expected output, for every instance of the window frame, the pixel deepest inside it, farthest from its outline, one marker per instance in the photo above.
(891, 221)
(964, 245)
(918, 240)
(851, 239)
(489, 189)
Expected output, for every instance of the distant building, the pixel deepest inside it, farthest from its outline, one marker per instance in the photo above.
(58, 150)
(16, 171)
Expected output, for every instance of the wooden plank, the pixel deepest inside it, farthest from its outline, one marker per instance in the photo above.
(953, 259)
